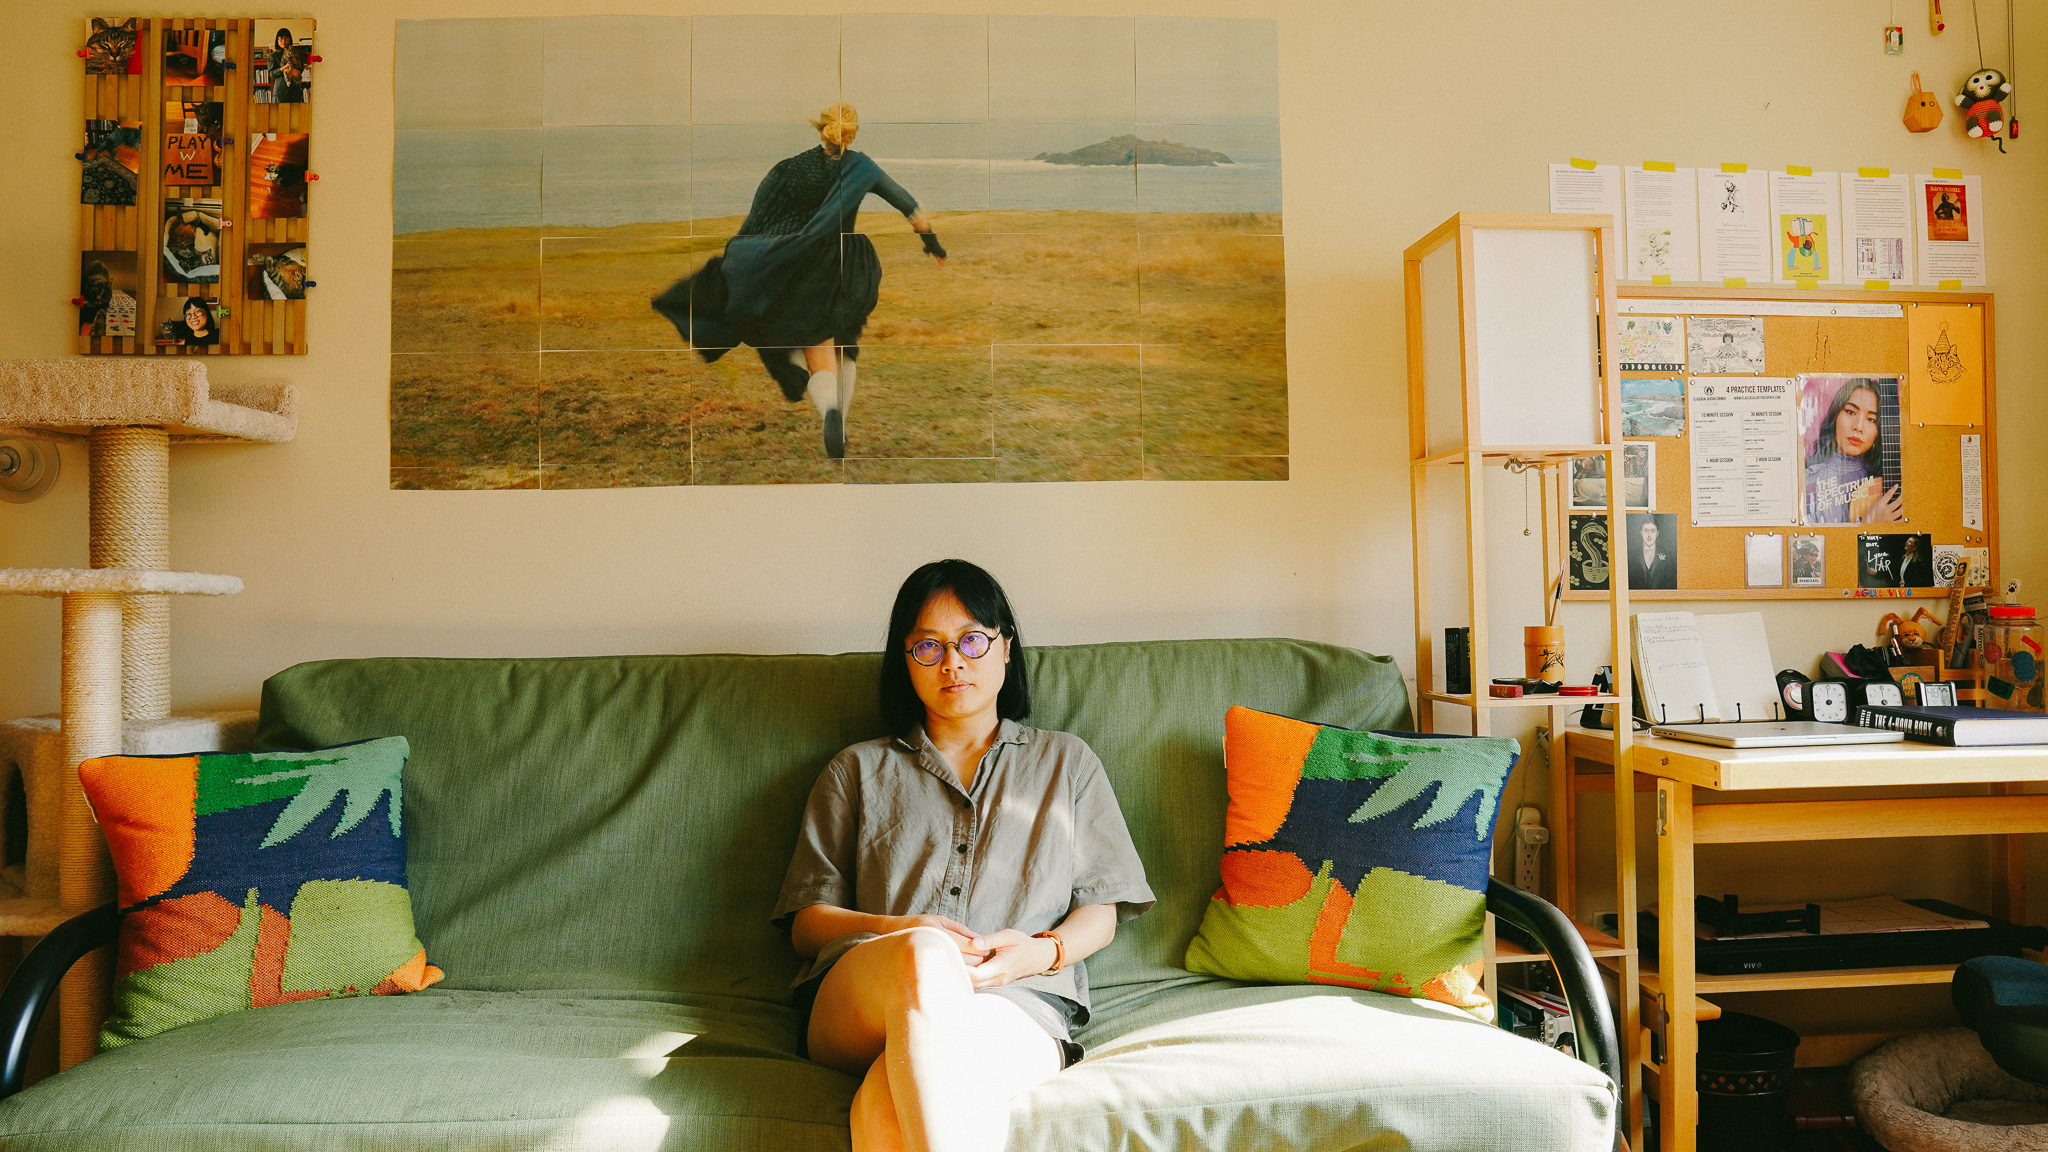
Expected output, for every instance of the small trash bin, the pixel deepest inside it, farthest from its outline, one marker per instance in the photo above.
(1745, 1082)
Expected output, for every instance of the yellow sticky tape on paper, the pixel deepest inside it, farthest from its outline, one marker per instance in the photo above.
(1798, 170)
(1734, 167)
(1876, 285)
(1587, 165)
(1874, 173)
(1948, 173)
(1807, 282)
(1659, 166)
(1950, 286)
(1660, 279)
(1734, 282)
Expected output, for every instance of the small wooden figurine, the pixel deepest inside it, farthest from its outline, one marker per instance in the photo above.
(1923, 111)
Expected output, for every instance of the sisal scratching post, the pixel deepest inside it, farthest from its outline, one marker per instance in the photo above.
(131, 528)
(116, 615)
(92, 727)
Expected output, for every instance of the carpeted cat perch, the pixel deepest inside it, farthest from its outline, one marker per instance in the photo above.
(116, 649)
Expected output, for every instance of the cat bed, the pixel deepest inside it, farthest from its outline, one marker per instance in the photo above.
(39, 398)
(1939, 1091)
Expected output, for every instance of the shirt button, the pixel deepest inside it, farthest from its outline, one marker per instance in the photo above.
(956, 892)
(963, 848)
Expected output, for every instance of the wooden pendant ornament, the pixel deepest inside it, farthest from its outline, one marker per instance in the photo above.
(1923, 110)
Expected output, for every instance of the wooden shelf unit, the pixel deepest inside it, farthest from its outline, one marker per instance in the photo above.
(1677, 770)
(1502, 307)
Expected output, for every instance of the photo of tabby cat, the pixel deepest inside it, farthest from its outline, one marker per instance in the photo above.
(276, 272)
(110, 48)
(191, 249)
(113, 150)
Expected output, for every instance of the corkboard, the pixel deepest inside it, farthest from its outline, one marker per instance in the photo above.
(252, 325)
(1710, 560)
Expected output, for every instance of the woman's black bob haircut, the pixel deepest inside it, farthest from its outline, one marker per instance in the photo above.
(983, 598)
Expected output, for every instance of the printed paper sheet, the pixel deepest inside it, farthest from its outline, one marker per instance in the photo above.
(1944, 364)
(1586, 189)
(1734, 228)
(1950, 217)
(1663, 224)
(1743, 437)
(1877, 228)
(1806, 214)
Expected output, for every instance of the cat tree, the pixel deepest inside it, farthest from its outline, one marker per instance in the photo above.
(116, 620)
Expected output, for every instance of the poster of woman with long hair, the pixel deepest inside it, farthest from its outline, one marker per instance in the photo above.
(1849, 432)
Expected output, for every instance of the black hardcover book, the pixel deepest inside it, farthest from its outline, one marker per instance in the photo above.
(1958, 727)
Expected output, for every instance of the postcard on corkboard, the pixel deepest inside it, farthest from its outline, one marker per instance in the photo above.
(1945, 364)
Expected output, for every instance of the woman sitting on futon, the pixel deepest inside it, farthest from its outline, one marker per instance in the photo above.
(949, 879)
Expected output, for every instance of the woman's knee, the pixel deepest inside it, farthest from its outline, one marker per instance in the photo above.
(925, 961)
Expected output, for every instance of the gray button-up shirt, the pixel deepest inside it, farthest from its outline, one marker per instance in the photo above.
(889, 831)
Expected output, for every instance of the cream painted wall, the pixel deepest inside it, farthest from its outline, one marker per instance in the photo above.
(1394, 116)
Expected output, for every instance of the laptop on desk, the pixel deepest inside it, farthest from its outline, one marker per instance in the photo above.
(1775, 733)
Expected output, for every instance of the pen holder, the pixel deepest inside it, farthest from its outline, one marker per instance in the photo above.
(1543, 652)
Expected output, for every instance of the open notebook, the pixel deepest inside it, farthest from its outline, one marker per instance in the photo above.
(1690, 668)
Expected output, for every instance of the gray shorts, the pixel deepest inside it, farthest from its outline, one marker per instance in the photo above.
(1055, 1014)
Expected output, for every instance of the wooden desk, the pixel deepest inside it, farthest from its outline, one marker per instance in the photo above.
(1674, 769)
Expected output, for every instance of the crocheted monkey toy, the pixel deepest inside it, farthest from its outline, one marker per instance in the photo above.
(1983, 114)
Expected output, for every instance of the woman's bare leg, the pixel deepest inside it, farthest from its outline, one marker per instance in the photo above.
(952, 1060)
(874, 1122)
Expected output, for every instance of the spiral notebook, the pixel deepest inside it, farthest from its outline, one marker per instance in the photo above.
(1693, 669)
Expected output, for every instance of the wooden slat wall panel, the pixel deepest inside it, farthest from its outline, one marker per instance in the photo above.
(252, 326)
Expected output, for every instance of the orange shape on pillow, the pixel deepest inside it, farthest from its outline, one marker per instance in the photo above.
(175, 930)
(411, 976)
(1323, 965)
(150, 829)
(1263, 879)
(1259, 800)
(266, 979)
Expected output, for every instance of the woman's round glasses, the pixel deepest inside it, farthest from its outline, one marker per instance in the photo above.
(973, 645)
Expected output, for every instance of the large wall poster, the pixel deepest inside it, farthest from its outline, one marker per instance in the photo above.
(1106, 191)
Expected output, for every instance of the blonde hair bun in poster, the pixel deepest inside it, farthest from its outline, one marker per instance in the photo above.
(837, 125)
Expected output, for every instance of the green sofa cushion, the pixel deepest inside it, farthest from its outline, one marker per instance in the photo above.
(1201, 1064)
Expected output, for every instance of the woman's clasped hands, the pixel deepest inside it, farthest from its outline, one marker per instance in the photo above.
(993, 959)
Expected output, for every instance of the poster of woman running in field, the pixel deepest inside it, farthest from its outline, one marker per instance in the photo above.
(798, 282)
(639, 251)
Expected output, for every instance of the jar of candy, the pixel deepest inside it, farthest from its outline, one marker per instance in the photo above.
(2009, 644)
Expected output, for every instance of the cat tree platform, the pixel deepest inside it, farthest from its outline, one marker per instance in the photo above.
(61, 399)
(116, 647)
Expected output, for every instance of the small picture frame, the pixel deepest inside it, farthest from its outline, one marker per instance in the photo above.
(1763, 560)
(1809, 560)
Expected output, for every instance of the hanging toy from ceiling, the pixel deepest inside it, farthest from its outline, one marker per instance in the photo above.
(1986, 92)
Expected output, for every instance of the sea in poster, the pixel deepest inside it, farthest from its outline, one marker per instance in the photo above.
(1107, 191)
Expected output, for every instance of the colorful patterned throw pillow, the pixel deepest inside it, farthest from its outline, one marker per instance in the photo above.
(255, 878)
(1355, 858)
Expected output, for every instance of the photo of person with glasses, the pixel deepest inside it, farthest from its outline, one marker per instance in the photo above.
(949, 879)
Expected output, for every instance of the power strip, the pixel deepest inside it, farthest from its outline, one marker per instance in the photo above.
(1530, 837)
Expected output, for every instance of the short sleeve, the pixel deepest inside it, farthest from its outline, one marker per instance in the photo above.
(1106, 865)
(821, 871)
